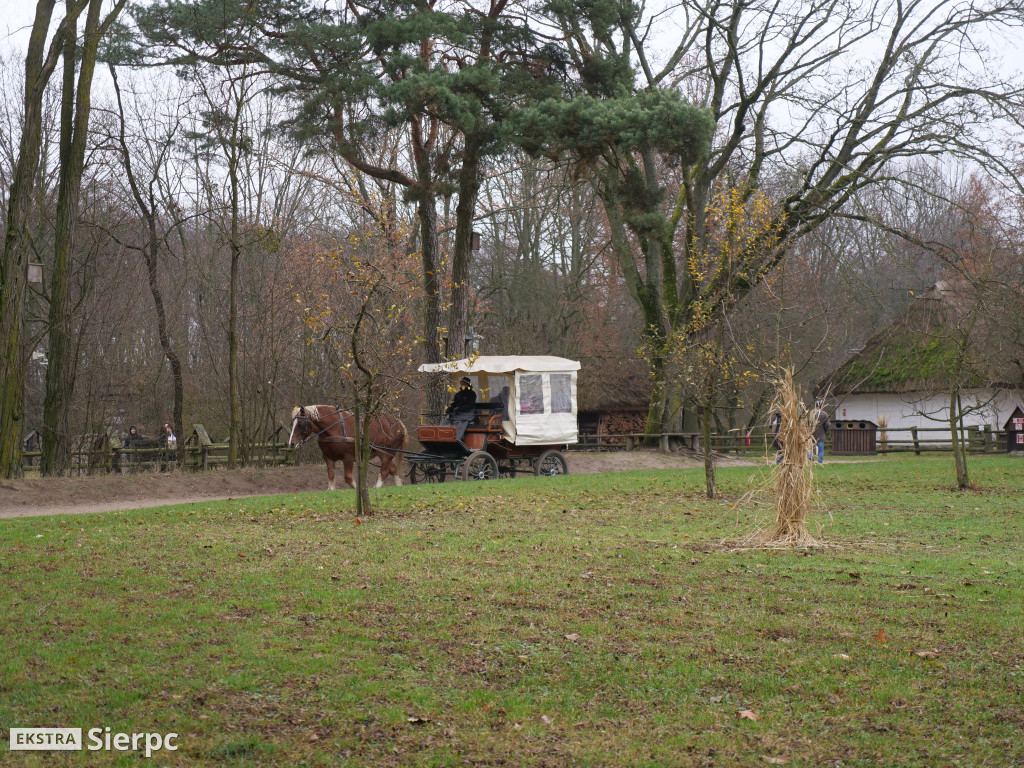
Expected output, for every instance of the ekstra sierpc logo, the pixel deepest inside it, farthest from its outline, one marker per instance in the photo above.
(70, 739)
(66, 739)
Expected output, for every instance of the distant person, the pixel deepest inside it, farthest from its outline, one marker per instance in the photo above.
(821, 427)
(462, 410)
(132, 442)
(169, 443)
(170, 440)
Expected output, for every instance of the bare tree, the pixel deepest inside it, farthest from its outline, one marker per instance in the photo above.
(76, 105)
(40, 61)
(160, 218)
(811, 102)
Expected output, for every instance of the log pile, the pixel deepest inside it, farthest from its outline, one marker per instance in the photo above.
(622, 422)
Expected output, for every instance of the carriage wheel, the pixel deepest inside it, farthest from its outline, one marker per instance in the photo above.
(426, 473)
(479, 466)
(551, 463)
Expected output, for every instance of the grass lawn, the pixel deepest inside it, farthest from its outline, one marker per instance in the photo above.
(578, 621)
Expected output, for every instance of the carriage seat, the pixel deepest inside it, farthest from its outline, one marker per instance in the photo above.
(484, 417)
(495, 407)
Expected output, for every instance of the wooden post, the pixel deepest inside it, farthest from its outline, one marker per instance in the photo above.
(988, 442)
(629, 443)
(917, 444)
(663, 444)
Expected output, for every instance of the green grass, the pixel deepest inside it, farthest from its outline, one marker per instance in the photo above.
(577, 621)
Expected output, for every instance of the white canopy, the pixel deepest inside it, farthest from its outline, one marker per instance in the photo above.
(502, 364)
(538, 392)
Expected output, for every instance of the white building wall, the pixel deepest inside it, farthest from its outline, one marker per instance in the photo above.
(920, 409)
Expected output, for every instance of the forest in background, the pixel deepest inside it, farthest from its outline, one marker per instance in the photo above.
(209, 198)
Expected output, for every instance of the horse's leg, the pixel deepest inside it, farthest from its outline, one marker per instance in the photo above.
(349, 459)
(389, 468)
(330, 473)
(395, 465)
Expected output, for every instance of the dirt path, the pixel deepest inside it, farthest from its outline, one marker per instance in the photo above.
(109, 493)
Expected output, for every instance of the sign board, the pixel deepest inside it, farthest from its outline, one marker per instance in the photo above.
(1018, 425)
(1020, 439)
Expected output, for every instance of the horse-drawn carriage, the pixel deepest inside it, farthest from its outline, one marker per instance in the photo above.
(524, 418)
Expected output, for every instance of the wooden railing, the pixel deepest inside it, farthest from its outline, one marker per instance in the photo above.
(200, 453)
(916, 439)
(759, 441)
(197, 457)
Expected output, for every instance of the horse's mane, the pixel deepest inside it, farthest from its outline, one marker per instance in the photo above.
(312, 410)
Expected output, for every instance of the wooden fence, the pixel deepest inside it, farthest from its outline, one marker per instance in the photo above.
(982, 439)
(198, 453)
(758, 443)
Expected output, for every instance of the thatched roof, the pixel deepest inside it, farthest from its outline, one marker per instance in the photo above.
(920, 352)
(607, 384)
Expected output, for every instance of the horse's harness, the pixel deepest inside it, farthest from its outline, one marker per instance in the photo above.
(341, 420)
(344, 430)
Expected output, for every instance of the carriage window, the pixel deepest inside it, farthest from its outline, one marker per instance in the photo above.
(495, 385)
(531, 394)
(561, 393)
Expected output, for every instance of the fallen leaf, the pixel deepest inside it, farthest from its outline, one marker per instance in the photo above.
(775, 760)
(574, 637)
(546, 720)
(415, 720)
(881, 637)
(747, 714)
(927, 654)
(843, 656)
(357, 522)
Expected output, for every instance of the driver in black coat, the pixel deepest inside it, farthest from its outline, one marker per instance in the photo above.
(462, 410)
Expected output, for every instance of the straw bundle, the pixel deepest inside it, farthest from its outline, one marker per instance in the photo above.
(792, 479)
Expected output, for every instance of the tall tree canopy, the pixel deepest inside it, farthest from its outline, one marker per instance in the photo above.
(446, 75)
(811, 103)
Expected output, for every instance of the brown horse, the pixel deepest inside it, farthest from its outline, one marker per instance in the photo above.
(335, 432)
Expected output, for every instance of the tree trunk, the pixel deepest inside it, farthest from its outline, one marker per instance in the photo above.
(362, 451)
(959, 447)
(234, 406)
(469, 189)
(437, 394)
(177, 380)
(709, 454)
(61, 358)
(14, 264)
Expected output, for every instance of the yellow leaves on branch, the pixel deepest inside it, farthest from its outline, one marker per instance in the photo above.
(741, 233)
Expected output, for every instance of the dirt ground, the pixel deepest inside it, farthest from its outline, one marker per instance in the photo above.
(103, 493)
